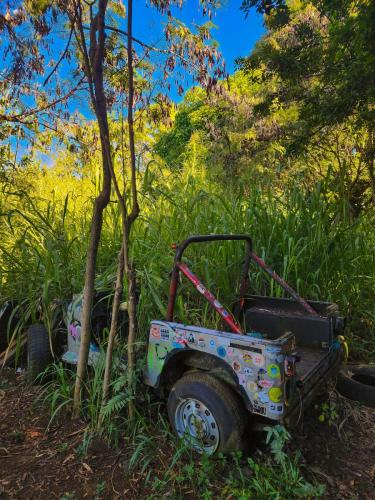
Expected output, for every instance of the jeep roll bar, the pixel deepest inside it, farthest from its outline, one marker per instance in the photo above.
(179, 266)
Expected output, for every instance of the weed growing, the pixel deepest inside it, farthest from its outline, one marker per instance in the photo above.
(167, 466)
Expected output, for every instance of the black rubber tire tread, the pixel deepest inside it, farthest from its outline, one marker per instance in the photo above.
(228, 409)
(354, 389)
(38, 352)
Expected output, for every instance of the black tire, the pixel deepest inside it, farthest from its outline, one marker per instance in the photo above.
(357, 382)
(38, 352)
(225, 405)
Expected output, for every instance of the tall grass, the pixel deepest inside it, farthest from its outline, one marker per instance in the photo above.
(308, 238)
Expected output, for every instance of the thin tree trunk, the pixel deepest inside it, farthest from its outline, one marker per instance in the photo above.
(113, 329)
(93, 63)
(127, 221)
(370, 164)
(129, 269)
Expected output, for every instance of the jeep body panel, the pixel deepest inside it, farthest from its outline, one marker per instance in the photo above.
(256, 364)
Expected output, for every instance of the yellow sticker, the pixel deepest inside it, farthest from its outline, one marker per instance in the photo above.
(275, 394)
(247, 358)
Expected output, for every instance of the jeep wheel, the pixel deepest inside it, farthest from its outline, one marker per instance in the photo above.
(207, 414)
(38, 352)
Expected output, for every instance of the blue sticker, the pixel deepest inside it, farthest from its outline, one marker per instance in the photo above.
(248, 371)
(263, 397)
(212, 344)
(178, 345)
(272, 350)
(261, 374)
(221, 351)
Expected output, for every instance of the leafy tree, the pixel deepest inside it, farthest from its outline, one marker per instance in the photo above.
(98, 60)
(322, 57)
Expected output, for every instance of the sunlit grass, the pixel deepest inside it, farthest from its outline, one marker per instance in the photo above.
(308, 239)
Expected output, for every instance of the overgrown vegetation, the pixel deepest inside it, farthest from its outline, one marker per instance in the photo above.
(310, 239)
(277, 154)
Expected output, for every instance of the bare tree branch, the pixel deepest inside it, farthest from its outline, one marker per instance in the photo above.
(61, 57)
(20, 116)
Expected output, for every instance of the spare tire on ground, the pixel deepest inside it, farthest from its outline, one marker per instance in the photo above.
(38, 352)
(357, 382)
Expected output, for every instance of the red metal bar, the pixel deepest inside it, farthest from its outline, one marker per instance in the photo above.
(283, 284)
(227, 317)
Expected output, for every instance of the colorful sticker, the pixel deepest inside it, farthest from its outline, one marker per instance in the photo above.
(247, 357)
(191, 338)
(275, 394)
(180, 335)
(179, 338)
(276, 409)
(155, 332)
(258, 359)
(217, 304)
(248, 371)
(164, 334)
(263, 397)
(252, 386)
(236, 366)
(257, 408)
(161, 351)
(280, 358)
(265, 384)
(201, 289)
(201, 342)
(230, 351)
(242, 379)
(261, 373)
(273, 371)
(212, 344)
(221, 351)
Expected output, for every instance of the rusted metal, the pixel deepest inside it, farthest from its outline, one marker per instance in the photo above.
(249, 255)
(283, 284)
(219, 308)
(244, 275)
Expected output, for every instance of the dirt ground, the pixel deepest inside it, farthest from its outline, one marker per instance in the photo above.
(38, 464)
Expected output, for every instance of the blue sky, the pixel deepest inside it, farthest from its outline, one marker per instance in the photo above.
(235, 34)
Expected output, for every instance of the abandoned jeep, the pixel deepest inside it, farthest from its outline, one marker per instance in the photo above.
(265, 366)
(268, 369)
